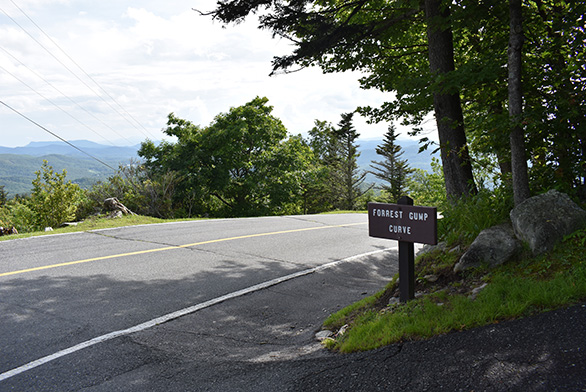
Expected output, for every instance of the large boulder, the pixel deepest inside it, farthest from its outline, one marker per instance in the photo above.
(493, 246)
(543, 221)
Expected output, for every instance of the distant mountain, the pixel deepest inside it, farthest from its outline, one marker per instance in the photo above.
(18, 164)
(410, 154)
(97, 150)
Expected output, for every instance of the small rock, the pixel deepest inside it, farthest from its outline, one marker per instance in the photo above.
(115, 214)
(323, 335)
(430, 248)
(431, 278)
(394, 301)
(477, 290)
(342, 330)
(48, 229)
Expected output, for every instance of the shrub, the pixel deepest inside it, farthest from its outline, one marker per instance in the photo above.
(53, 201)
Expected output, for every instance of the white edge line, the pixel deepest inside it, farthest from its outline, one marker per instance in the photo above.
(177, 314)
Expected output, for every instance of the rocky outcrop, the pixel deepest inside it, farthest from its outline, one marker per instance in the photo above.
(8, 230)
(116, 208)
(543, 221)
(493, 246)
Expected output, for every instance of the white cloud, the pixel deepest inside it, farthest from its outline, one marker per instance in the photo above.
(162, 57)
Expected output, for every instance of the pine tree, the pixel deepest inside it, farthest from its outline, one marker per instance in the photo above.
(350, 180)
(393, 171)
(3, 196)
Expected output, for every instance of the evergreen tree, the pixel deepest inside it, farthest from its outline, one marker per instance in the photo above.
(3, 196)
(349, 179)
(393, 170)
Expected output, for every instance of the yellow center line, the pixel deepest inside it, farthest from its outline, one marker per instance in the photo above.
(141, 252)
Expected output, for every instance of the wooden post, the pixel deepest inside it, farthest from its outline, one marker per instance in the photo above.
(406, 263)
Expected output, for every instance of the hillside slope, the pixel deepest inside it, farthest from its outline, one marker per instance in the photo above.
(18, 164)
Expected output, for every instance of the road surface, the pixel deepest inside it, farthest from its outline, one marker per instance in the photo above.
(61, 294)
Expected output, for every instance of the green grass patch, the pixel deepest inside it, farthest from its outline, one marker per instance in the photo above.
(517, 289)
(96, 223)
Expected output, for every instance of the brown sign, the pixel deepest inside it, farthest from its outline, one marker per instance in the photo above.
(403, 222)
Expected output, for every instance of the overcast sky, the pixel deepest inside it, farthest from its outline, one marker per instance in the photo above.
(152, 58)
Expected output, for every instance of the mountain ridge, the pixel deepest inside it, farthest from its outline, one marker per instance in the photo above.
(18, 164)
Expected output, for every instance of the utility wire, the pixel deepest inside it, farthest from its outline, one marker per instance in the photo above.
(57, 136)
(73, 73)
(54, 104)
(63, 94)
(82, 70)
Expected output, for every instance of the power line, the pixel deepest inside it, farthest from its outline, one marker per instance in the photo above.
(63, 94)
(82, 70)
(73, 73)
(57, 136)
(54, 104)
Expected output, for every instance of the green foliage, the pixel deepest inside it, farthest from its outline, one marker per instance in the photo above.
(428, 189)
(3, 196)
(465, 218)
(349, 178)
(141, 191)
(514, 290)
(16, 213)
(17, 171)
(393, 171)
(242, 164)
(336, 153)
(53, 200)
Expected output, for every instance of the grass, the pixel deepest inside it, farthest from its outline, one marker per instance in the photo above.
(96, 223)
(517, 289)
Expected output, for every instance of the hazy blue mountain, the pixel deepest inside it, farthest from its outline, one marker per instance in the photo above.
(410, 154)
(18, 164)
(97, 150)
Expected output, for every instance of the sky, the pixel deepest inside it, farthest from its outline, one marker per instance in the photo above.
(111, 71)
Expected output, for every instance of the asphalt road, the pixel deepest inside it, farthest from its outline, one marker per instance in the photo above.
(83, 312)
(61, 291)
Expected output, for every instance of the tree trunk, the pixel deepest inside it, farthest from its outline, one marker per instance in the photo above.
(456, 161)
(517, 137)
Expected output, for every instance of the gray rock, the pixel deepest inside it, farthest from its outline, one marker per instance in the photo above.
(113, 204)
(430, 248)
(323, 335)
(476, 291)
(431, 278)
(493, 246)
(543, 221)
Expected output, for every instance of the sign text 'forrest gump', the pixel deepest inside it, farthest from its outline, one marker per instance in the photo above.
(407, 224)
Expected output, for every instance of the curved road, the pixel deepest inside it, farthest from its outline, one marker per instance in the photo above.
(58, 292)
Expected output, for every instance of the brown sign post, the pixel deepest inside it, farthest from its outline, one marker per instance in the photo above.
(407, 224)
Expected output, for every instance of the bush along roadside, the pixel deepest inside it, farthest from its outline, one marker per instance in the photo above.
(449, 300)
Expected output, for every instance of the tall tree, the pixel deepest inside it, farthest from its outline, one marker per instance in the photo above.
(457, 166)
(390, 40)
(517, 137)
(349, 177)
(3, 196)
(393, 171)
(242, 164)
(322, 192)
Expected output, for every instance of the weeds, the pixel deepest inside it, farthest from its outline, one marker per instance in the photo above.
(516, 289)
